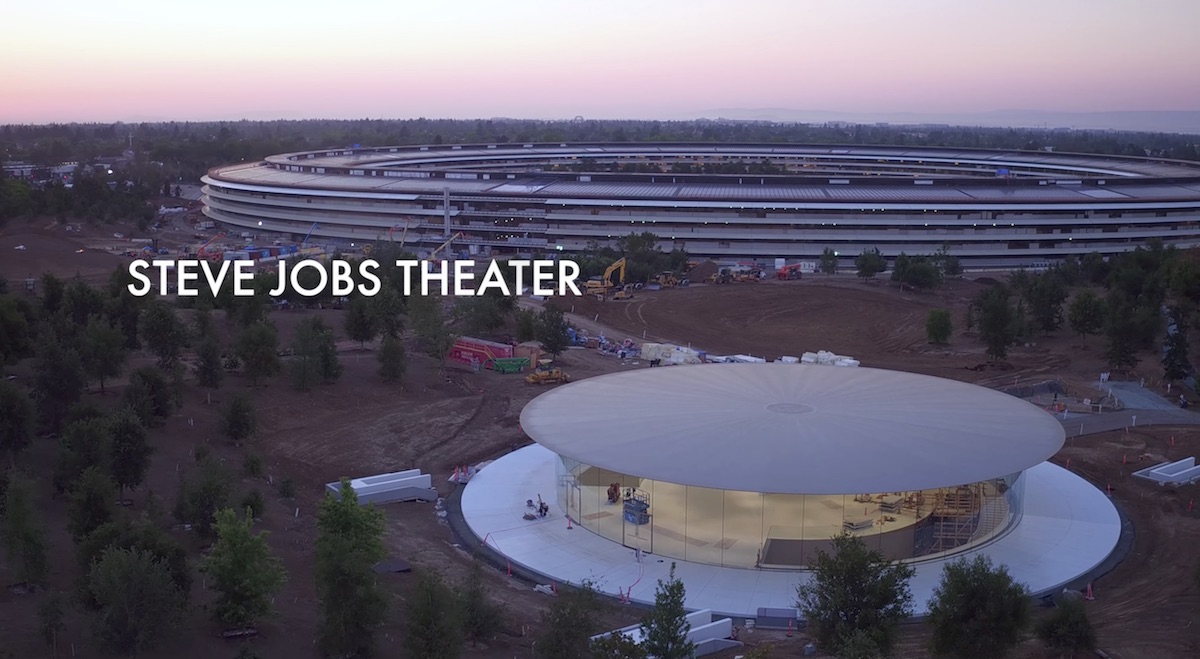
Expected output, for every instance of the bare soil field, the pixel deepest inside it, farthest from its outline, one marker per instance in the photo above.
(437, 420)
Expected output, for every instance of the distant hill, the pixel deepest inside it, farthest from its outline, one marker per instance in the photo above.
(1184, 121)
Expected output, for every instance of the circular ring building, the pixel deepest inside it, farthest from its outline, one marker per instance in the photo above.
(750, 470)
(719, 201)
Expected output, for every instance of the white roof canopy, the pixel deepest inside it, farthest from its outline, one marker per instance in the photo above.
(792, 428)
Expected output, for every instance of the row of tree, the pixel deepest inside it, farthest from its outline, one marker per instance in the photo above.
(856, 598)
(1150, 299)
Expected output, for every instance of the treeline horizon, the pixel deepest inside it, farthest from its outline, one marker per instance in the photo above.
(188, 149)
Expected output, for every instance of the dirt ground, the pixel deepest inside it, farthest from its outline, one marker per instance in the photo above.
(359, 426)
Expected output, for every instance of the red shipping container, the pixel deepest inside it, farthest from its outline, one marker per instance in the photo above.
(469, 351)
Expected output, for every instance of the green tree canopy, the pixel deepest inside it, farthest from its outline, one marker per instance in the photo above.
(138, 602)
(665, 629)
(245, 573)
(855, 590)
(977, 610)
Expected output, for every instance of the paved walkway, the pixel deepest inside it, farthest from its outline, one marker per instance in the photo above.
(1134, 396)
(1097, 423)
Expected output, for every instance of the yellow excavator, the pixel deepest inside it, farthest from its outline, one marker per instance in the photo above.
(613, 276)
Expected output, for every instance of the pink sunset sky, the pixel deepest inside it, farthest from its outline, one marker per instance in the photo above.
(137, 60)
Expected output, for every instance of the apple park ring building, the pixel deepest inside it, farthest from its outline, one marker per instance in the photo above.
(727, 202)
(742, 473)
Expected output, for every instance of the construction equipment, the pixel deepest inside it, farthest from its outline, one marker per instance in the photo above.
(748, 276)
(203, 252)
(403, 234)
(550, 375)
(722, 277)
(308, 235)
(666, 279)
(507, 365)
(434, 253)
(626, 293)
(790, 272)
(614, 275)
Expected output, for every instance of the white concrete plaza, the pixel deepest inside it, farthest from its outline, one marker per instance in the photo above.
(1068, 528)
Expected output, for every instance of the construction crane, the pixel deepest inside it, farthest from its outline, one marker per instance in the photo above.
(203, 252)
(308, 235)
(429, 262)
(403, 235)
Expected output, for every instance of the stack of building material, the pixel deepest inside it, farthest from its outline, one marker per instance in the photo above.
(826, 358)
(667, 353)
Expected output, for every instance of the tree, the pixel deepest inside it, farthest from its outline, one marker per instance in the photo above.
(947, 265)
(996, 321)
(16, 420)
(244, 572)
(870, 263)
(165, 334)
(1045, 295)
(59, 379)
(433, 332)
(482, 313)
(567, 625)
(208, 368)
(829, 261)
(349, 544)
(665, 629)
(552, 331)
(51, 621)
(435, 623)
(1086, 314)
(360, 323)
(130, 450)
(24, 538)
(620, 646)
(1176, 365)
(86, 442)
(481, 618)
(526, 325)
(91, 504)
(385, 310)
(258, 349)
(314, 355)
(1068, 629)
(203, 492)
(149, 395)
(138, 601)
(855, 589)
(977, 610)
(1122, 333)
(238, 421)
(938, 326)
(142, 533)
(392, 359)
(103, 350)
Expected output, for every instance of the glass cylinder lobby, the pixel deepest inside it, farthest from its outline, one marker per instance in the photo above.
(782, 531)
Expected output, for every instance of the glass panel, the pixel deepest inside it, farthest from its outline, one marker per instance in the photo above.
(743, 528)
(705, 530)
(668, 511)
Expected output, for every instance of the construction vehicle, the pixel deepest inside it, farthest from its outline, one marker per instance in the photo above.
(748, 276)
(547, 374)
(666, 279)
(722, 277)
(614, 275)
(790, 272)
(626, 293)
(203, 252)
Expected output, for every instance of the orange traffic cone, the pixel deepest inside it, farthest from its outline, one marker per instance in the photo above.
(569, 527)
(1089, 596)
(789, 631)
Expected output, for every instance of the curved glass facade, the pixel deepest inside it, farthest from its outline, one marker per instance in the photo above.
(784, 531)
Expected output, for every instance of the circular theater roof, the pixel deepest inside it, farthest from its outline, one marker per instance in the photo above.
(792, 428)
